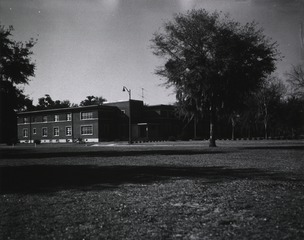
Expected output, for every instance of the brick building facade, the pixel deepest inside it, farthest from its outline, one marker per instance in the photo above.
(106, 122)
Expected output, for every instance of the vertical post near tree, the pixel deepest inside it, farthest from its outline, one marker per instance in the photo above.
(302, 41)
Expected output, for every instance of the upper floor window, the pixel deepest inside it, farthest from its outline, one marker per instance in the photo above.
(25, 132)
(25, 120)
(33, 119)
(34, 131)
(44, 119)
(56, 118)
(69, 116)
(86, 115)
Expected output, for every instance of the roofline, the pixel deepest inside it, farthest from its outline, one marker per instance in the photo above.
(121, 101)
(65, 109)
(106, 105)
(161, 105)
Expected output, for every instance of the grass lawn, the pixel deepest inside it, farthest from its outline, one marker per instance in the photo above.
(168, 190)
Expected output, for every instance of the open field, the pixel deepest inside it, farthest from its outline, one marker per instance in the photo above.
(167, 190)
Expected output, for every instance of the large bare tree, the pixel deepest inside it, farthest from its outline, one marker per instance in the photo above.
(213, 61)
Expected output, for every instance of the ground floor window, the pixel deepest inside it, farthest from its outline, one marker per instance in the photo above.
(56, 131)
(68, 131)
(44, 132)
(87, 130)
(25, 132)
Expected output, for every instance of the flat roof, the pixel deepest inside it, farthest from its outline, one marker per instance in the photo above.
(67, 109)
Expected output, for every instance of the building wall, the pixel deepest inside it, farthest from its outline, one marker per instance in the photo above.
(37, 129)
(137, 109)
(79, 124)
(99, 123)
(67, 126)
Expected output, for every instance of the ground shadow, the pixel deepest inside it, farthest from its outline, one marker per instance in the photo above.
(91, 152)
(278, 147)
(76, 151)
(51, 178)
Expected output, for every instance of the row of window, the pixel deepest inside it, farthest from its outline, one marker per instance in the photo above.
(84, 130)
(83, 116)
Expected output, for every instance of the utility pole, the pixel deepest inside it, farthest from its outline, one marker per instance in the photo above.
(142, 94)
(130, 113)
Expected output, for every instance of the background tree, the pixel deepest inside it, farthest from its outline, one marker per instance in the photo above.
(234, 120)
(296, 80)
(63, 104)
(212, 61)
(16, 68)
(292, 118)
(93, 100)
(47, 102)
(268, 100)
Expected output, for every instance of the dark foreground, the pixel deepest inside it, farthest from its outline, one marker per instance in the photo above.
(182, 191)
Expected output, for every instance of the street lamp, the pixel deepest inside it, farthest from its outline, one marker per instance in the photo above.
(130, 122)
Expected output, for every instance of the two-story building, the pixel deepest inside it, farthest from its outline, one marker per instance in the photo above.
(90, 124)
(99, 123)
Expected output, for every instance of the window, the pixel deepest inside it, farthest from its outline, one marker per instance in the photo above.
(86, 130)
(34, 119)
(44, 132)
(69, 117)
(25, 120)
(56, 118)
(25, 132)
(34, 131)
(44, 119)
(56, 131)
(86, 115)
(68, 131)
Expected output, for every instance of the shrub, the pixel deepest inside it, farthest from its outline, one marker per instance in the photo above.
(172, 138)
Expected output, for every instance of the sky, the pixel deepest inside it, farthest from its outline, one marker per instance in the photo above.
(95, 47)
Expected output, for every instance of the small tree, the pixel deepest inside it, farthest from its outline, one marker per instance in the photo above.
(212, 61)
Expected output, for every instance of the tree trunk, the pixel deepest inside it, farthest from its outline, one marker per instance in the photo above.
(265, 126)
(195, 122)
(233, 126)
(212, 127)
(265, 119)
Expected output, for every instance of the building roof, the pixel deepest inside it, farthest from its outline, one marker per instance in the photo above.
(67, 109)
(112, 105)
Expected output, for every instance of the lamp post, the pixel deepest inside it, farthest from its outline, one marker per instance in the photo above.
(130, 122)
